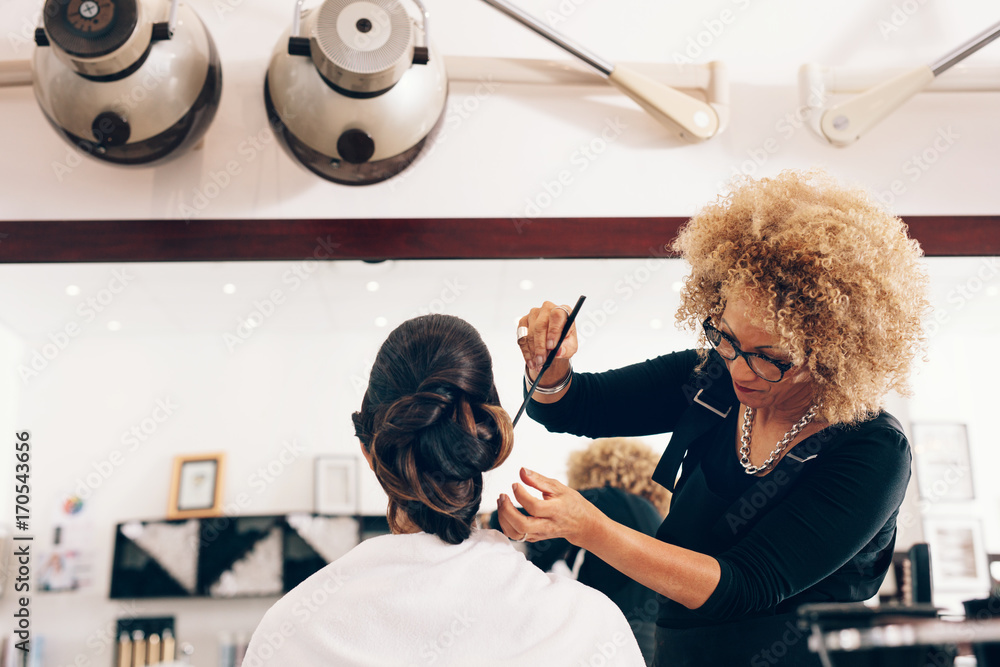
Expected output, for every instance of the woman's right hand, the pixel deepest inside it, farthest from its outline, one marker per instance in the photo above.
(544, 326)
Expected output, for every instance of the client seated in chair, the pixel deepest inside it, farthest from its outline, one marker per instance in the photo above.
(615, 475)
(437, 590)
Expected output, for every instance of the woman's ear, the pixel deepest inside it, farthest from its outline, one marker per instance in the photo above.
(801, 374)
(368, 456)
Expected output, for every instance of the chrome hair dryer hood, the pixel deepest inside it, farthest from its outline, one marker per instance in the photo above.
(126, 81)
(355, 96)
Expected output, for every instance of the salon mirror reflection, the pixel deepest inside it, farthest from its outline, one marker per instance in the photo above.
(116, 369)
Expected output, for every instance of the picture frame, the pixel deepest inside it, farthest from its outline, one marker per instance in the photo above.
(336, 485)
(60, 571)
(994, 564)
(196, 486)
(958, 554)
(942, 462)
(227, 557)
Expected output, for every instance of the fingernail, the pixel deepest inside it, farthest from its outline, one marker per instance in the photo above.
(527, 472)
(550, 343)
(539, 360)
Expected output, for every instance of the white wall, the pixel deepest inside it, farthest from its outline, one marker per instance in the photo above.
(495, 158)
(11, 353)
(496, 153)
(956, 386)
(296, 379)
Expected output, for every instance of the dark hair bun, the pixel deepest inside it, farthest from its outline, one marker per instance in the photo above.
(431, 420)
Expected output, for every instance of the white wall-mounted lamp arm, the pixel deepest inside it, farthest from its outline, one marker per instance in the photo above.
(425, 22)
(297, 19)
(563, 42)
(15, 73)
(967, 49)
(710, 78)
(693, 119)
(690, 117)
(172, 17)
(842, 124)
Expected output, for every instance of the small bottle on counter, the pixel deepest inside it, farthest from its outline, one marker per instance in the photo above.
(186, 651)
(242, 641)
(153, 649)
(124, 650)
(138, 648)
(227, 650)
(167, 646)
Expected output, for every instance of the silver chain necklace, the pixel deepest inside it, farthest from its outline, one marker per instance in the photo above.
(750, 468)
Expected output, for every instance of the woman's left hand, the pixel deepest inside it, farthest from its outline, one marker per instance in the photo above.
(560, 512)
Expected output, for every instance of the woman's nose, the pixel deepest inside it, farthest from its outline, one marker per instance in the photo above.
(740, 369)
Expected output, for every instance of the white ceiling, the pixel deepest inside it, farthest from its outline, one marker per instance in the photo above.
(187, 298)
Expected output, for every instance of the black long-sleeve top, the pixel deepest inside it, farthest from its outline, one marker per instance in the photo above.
(829, 539)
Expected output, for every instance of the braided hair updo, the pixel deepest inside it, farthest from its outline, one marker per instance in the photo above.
(432, 422)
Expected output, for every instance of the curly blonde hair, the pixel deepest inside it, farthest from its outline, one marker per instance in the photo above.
(622, 463)
(836, 279)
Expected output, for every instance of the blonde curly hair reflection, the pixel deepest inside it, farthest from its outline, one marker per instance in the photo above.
(835, 277)
(622, 463)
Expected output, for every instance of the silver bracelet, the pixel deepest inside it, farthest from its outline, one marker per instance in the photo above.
(548, 391)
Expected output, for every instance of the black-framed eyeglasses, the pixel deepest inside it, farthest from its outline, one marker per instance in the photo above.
(766, 368)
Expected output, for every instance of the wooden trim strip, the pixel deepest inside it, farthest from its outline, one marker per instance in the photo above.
(401, 238)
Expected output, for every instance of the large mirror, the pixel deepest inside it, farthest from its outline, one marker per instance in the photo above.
(115, 369)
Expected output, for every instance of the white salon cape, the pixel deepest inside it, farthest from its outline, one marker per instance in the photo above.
(399, 600)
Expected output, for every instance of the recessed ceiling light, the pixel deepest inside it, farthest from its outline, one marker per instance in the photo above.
(229, 288)
(992, 290)
(677, 286)
(72, 290)
(656, 323)
(372, 286)
(381, 321)
(114, 325)
(527, 285)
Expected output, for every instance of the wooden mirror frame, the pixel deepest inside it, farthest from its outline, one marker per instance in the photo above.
(403, 238)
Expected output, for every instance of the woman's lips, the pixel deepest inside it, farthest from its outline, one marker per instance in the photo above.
(745, 390)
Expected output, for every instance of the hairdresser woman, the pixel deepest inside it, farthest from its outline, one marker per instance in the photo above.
(807, 299)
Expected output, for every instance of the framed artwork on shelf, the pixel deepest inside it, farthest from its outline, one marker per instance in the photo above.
(336, 485)
(196, 486)
(958, 555)
(942, 462)
(232, 557)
